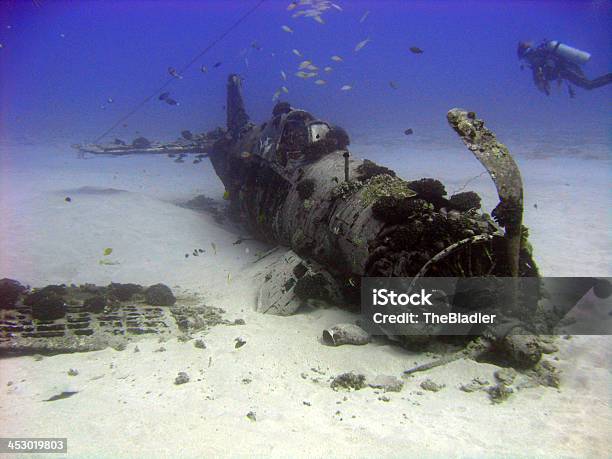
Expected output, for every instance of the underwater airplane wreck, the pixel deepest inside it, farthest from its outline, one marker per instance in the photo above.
(292, 182)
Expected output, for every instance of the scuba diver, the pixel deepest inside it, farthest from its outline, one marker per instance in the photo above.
(552, 60)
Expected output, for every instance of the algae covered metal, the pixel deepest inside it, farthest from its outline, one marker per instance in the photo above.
(292, 182)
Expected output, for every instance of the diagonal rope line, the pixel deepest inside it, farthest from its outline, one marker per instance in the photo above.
(182, 70)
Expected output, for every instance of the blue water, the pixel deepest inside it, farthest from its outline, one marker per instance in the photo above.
(61, 61)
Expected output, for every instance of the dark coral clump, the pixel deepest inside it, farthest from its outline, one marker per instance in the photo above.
(465, 201)
(57, 291)
(124, 292)
(417, 206)
(369, 169)
(48, 302)
(429, 189)
(389, 209)
(95, 304)
(49, 308)
(10, 290)
(159, 295)
(393, 210)
(305, 188)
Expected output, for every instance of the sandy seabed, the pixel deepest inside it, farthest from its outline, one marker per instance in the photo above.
(127, 403)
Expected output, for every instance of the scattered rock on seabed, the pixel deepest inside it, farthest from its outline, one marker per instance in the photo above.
(387, 383)
(430, 385)
(474, 385)
(182, 378)
(499, 393)
(348, 381)
(505, 376)
(345, 334)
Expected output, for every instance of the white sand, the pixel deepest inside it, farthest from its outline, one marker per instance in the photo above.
(128, 406)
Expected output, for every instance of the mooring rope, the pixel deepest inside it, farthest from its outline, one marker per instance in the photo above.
(181, 70)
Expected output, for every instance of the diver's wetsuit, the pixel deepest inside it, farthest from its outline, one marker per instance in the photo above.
(548, 66)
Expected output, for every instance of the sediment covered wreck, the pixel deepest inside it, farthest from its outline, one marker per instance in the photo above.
(293, 182)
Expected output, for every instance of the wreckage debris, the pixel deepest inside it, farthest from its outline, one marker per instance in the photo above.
(499, 393)
(431, 386)
(61, 396)
(387, 383)
(182, 378)
(94, 318)
(345, 334)
(348, 381)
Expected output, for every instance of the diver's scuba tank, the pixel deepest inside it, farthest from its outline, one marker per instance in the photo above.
(567, 52)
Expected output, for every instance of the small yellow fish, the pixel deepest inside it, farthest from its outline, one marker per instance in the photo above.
(328, 69)
(287, 29)
(346, 87)
(361, 44)
(336, 58)
(305, 74)
(214, 247)
(245, 154)
(226, 195)
(312, 67)
(304, 64)
(283, 75)
(320, 82)
(275, 96)
(296, 52)
(108, 251)
(319, 19)
(284, 89)
(229, 277)
(292, 6)
(337, 7)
